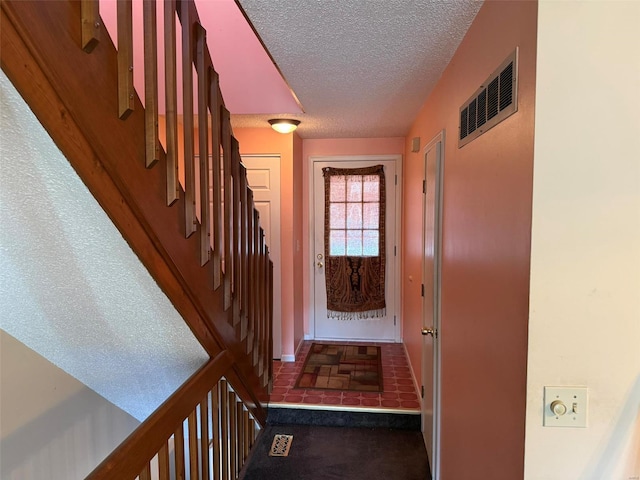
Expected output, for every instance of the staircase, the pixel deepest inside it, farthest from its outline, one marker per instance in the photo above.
(203, 246)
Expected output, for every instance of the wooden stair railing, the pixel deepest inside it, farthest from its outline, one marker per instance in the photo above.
(202, 431)
(62, 61)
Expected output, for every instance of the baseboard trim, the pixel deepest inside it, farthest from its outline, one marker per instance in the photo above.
(288, 358)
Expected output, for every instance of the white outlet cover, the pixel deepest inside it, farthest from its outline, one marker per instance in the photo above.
(576, 401)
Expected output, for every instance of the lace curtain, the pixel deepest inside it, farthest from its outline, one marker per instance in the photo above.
(354, 233)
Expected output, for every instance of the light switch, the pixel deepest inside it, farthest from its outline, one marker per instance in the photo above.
(565, 407)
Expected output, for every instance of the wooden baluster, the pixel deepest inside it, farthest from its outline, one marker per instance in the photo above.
(224, 424)
(262, 293)
(190, 223)
(253, 433)
(237, 273)
(163, 462)
(178, 448)
(247, 433)
(226, 148)
(214, 107)
(233, 436)
(253, 280)
(171, 99)
(244, 265)
(256, 287)
(145, 474)
(90, 14)
(204, 437)
(267, 354)
(263, 309)
(265, 317)
(250, 274)
(203, 144)
(125, 59)
(239, 434)
(193, 445)
(269, 328)
(215, 426)
(265, 306)
(152, 143)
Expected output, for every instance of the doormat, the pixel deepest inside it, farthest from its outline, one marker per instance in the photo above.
(281, 445)
(342, 367)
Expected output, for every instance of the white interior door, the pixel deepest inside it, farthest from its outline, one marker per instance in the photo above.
(371, 329)
(433, 158)
(263, 176)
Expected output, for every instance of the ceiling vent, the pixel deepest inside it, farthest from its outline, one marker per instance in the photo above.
(495, 100)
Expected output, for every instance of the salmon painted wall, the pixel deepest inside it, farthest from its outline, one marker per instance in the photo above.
(486, 250)
(333, 147)
(267, 141)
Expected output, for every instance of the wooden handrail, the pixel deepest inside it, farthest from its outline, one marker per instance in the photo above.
(148, 450)
(129, 458)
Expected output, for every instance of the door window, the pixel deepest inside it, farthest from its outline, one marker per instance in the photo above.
(354, 215)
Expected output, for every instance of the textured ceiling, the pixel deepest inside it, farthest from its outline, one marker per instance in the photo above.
(360, 68)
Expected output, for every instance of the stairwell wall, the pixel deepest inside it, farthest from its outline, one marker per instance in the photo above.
(71, 288)
(51, 425)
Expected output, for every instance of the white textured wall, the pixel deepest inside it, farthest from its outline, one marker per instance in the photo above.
(51, 426)
(70, 287)
(585, 259)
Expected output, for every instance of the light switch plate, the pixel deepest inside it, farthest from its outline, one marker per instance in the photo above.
(574, 399)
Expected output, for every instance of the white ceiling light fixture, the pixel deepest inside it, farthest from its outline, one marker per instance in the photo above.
(284, 125)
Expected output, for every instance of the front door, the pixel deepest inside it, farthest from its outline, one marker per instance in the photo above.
(381, 328)
(263, 176)
(433, 158)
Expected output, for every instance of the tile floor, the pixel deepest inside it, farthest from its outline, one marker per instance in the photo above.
(399, 391)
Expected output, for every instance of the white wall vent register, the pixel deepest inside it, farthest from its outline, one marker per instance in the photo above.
(495, 100)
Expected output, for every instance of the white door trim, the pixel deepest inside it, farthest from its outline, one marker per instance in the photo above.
(311, 247)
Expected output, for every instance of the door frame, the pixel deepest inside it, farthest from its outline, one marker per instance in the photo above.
(437, 320)
(311, 225)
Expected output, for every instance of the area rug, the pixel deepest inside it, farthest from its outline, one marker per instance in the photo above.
(342, 367)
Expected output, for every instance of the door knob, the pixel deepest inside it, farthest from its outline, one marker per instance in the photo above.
(320, 264)
(428, 331)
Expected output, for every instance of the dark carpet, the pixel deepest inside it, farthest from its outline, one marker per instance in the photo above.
(339, 453)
